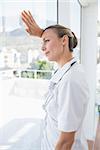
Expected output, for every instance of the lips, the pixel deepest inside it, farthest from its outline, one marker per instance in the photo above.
(46, 53)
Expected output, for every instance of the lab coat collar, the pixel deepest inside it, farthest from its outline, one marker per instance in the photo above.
(61, 71)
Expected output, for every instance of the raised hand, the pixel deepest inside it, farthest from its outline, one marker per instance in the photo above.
(31, 26)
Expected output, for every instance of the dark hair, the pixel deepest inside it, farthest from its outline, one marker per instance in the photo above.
(61, 31)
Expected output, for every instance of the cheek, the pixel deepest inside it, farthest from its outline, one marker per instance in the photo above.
(54, 45)
(59, 49)
(51, 45)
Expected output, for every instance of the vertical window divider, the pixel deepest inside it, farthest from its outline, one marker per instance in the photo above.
(57, 11)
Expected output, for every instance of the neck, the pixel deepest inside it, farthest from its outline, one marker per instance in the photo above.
(65, 59)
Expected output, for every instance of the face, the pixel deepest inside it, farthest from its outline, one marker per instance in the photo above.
(52, 45)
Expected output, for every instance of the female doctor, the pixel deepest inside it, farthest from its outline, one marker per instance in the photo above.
(67, 97)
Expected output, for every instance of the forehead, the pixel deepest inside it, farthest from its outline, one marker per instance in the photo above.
(49, 33)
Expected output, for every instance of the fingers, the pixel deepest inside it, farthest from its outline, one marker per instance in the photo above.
(28, 23)
(31, 17)
(28, 31)
(26, 18)
(31, 26)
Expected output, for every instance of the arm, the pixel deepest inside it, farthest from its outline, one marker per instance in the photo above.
(31, 26)
(65, 141)
(90, 144)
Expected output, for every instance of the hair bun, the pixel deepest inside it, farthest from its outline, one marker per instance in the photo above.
(75, 41)
(72, 42)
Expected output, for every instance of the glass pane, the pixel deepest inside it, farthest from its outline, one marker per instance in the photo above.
(98, 58)
(22, 70)
(18, 49)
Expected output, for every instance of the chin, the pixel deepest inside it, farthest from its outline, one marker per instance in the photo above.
(50, 59)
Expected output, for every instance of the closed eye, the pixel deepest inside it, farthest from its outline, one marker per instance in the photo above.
(46, 40)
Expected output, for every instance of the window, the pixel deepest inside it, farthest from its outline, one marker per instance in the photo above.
(21, 98)
(17, 49)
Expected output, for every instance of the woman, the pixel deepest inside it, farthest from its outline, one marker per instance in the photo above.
(67, 98)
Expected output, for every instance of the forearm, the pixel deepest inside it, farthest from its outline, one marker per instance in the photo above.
(90, 144)
(64, 145)
(65, 141)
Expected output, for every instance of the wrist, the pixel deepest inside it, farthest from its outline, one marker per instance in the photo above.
(40, 32)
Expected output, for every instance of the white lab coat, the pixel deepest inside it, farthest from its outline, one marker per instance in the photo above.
(65, 105)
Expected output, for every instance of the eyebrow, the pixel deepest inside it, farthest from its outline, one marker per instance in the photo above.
(45, 38)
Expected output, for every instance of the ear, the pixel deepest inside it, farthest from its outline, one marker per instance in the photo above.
(64, 39)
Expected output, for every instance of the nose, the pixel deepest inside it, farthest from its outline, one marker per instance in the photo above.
(43, 47)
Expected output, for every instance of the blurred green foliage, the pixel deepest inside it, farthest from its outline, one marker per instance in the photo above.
(41, 65)
(39, 70)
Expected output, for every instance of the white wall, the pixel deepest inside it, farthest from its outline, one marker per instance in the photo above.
(88, 59)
